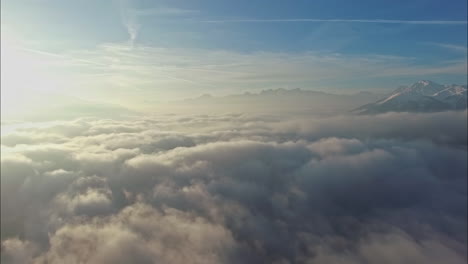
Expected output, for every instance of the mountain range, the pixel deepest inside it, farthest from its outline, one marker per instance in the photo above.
(422, 96)
(278, 101)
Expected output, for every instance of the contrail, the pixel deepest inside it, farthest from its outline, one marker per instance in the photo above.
(55, 55)
(377, 21)
(129, 20)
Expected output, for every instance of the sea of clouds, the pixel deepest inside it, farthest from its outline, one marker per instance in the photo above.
(236, 188)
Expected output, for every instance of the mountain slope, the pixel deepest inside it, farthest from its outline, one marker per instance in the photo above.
(422, 96)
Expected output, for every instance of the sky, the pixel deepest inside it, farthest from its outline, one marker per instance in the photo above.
(168, 50)
(98, 167)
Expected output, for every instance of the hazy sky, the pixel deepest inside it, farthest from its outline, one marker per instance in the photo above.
(137, 49)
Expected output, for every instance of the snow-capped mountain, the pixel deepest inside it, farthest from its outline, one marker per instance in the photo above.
(422, 96)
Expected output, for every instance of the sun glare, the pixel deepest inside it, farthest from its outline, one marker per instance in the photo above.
(25, 78)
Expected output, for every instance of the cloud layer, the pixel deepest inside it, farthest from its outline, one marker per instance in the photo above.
(236, 189)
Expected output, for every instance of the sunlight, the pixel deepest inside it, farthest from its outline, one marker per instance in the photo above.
(25, 78)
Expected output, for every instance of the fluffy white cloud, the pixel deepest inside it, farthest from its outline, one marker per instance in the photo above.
(237, 189)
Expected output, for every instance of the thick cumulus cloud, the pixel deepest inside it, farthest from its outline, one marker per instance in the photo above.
(236, 188)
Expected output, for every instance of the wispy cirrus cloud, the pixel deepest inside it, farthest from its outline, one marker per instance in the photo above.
(195, 69)
(129, 20)
(453, 47)
(131, 16)
(163, 11)
(378, 21)
(133, 73)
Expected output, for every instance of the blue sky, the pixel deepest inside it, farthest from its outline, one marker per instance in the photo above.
(182, 48)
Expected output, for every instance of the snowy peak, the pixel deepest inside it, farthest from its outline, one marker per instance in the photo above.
(423, 87)
(424, 83)
(450, 91)
(422, 96)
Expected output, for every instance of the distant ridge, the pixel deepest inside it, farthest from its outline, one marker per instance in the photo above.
(281, 100)
(285, 93)
(422, 96)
